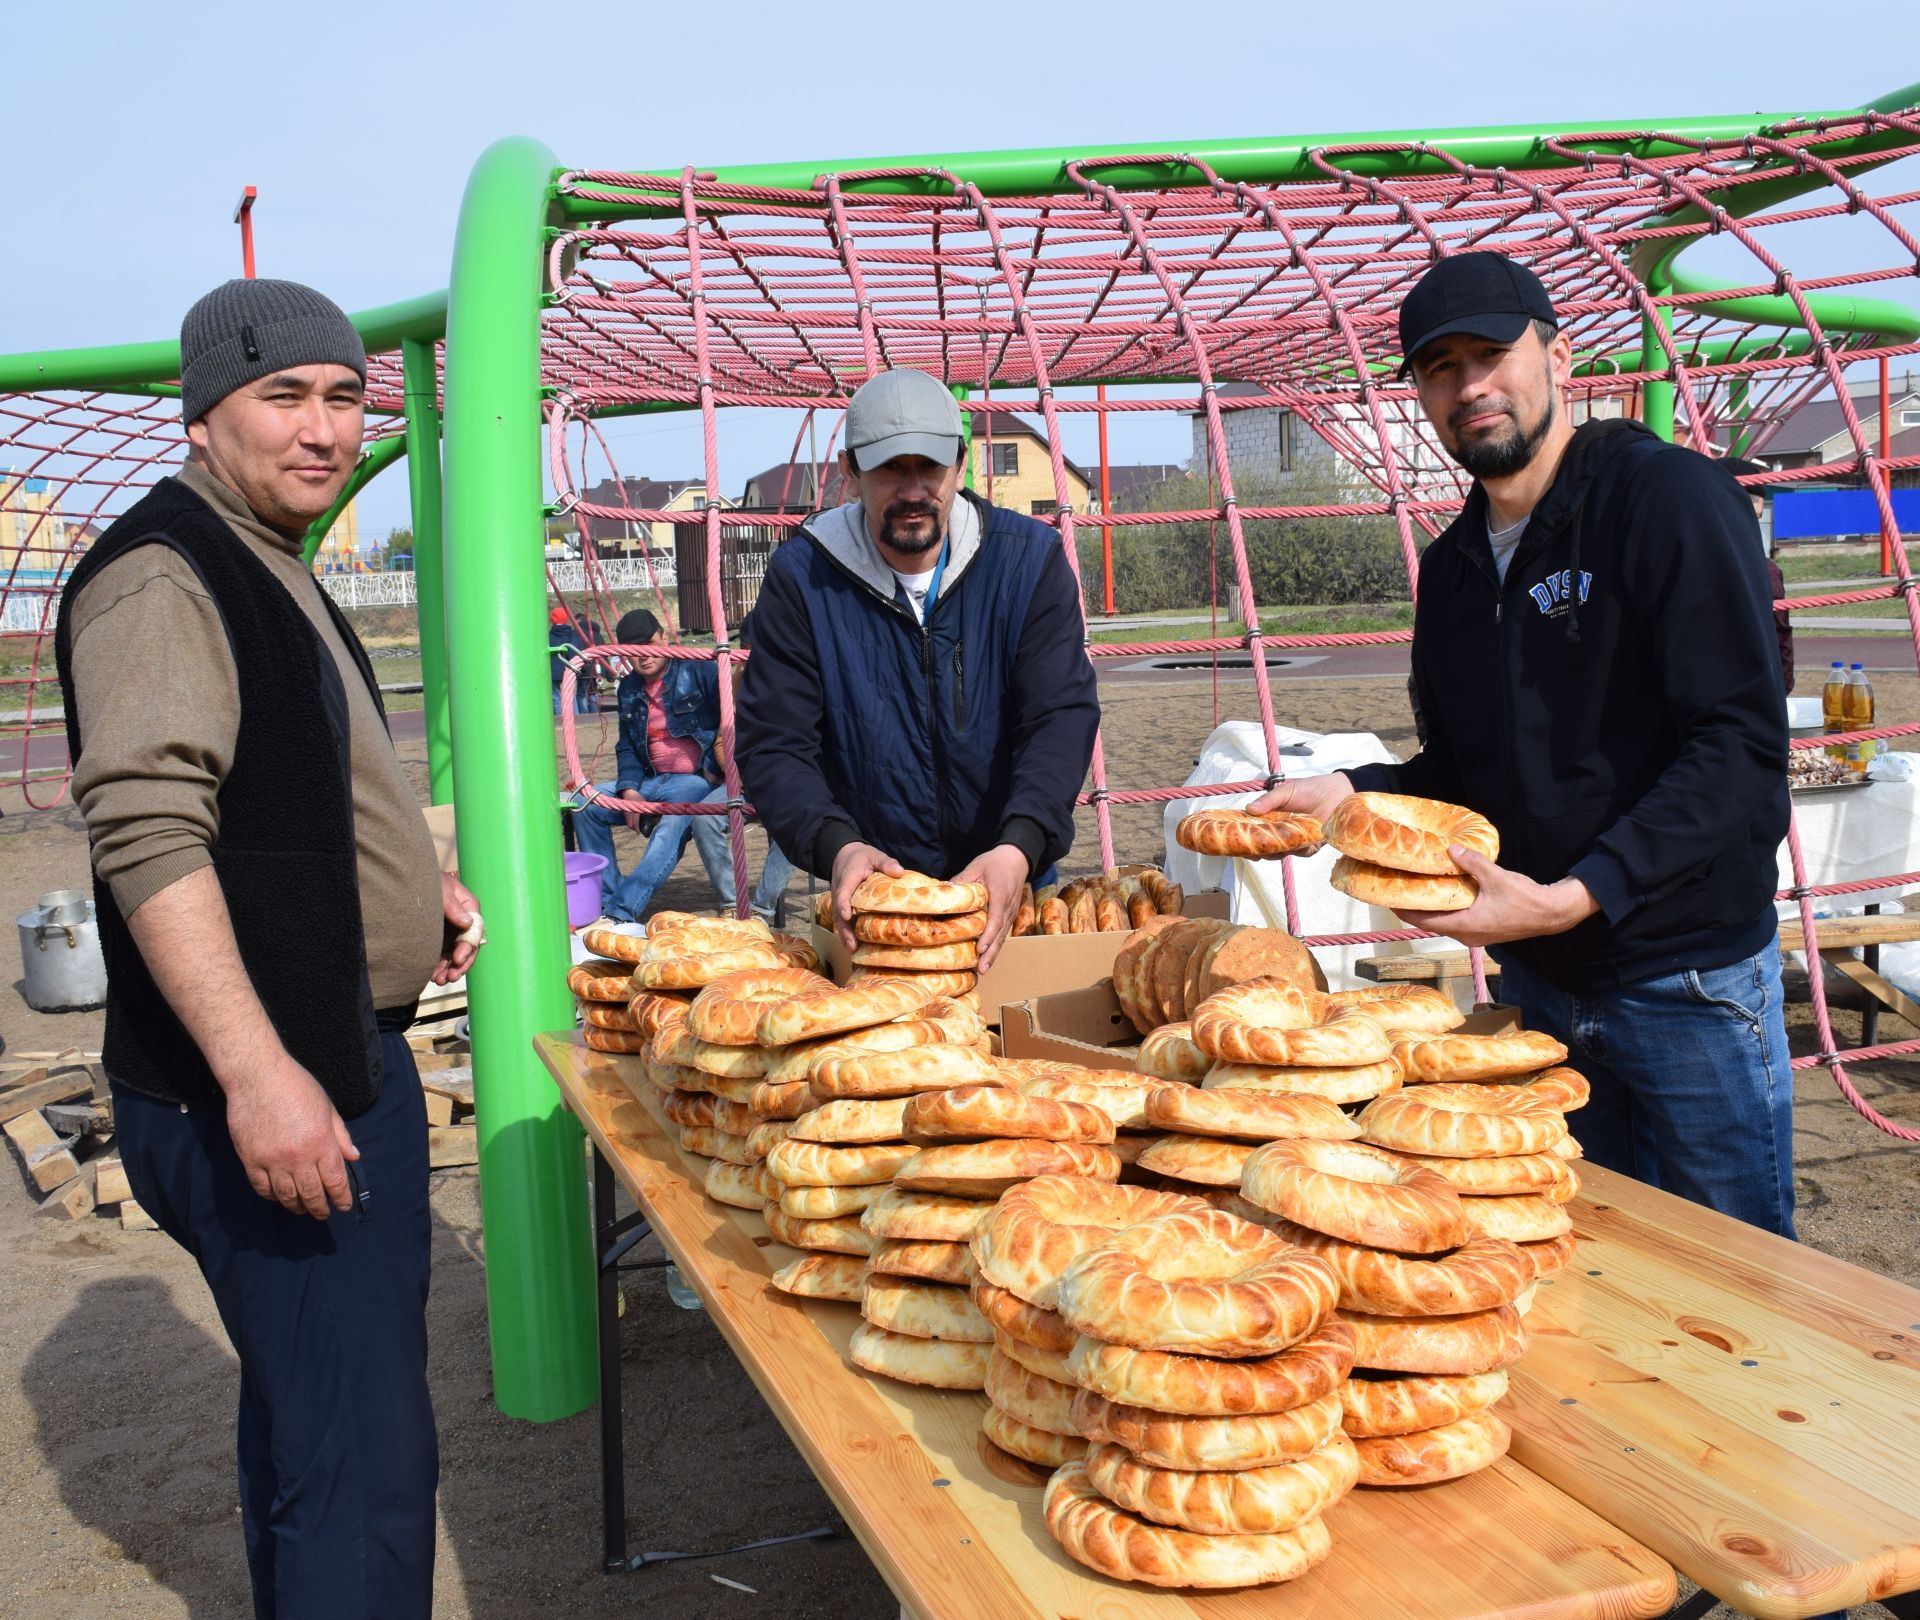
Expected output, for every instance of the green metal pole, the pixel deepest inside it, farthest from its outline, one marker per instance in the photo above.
(532, 1169)
(423, 477)
(1656, 408)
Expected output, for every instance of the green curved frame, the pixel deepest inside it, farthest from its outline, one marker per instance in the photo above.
(484, 652)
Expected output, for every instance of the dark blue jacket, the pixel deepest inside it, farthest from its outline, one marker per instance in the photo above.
(1614, 708)
(691, 687)
(856, 724)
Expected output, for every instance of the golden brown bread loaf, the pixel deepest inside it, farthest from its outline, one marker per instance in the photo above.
(876, 928)
(1029, 1444)
(1026, 1396)
(961, 955)
(1119, 1096)
(1205, 1161)
(925, 1217)
(1038, 1229)
(1125, 1547)
(1477, 1057)
(1408, 1008)
(813, 1164)
(1211, 1386)
(1013, 1316)
(1249, 835)
(716, 1144)
(826, 1203)
(974, 1113)
(1200, 1281)
(601, 981)
(1463, 1122)
(1132, 980)
(1473, 1342)
(1372, 1405)
(900, 1074)
(938, 1363)
(823, 1276)
(842, 1235)
(1519, 1217)
(1168, 958)
(1258, 1116)
(1169, 1054)
(1481, 1274)
(988, 1169)
(1207, 1445)
(922, 1310)
(1265, 1021)
(727, 1011)
(1049, 1364)
(1542, 1173)
(732, 1184)
(1252, 1501)
(1240, 954)
(1409, 834)
(835, 1011)
(1549, 1255)
(853, 1119)
(930, 1262)
(1448, 1452)
(613, 1040)
(1359, 1193)
(1401, 891)
(914, 894)
(606, 1015)
(1331, 1085)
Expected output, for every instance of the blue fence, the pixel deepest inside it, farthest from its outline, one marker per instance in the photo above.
(1803, 514)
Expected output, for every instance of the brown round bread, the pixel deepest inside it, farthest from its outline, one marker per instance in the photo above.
(1431, 1455)
(1252, 1501)
(1475, 1342)
(914, 894)
(901, 1074)
(1169, 1053)
(1481, 1274)
(813, 1164)
(834, 1011)
(1029, 1444)
(922, 1310)
(1519, 1218)
(731, 1184)
(930, 1262)
(1119, 1096)
(1207, 1445)
(877, 928)
(1477, 1057)
(1205, 1161)
(960, 956)
(1126, 1547)
(937, 1363)
(826, 1203)
(1211, 1386)
(727, 1011)
(1027, 1396)
(1250, 835)
(1013, 1316)
(853, 1119)
(1266, 1022)
(1039, 1228)
(1257, 1116)
(1409, 834)
(842, 1235)
(925, 1217)
(988, 1169)
(1359, 1193)
(1400, 891)
(823, 1276)
(1336, 1085)
(978, 1113)
(1408, 1008)
(1372, 1405)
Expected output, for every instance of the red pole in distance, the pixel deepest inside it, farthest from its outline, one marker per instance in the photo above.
(243, 217)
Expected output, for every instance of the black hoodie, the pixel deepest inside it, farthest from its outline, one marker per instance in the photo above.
(1615, 708)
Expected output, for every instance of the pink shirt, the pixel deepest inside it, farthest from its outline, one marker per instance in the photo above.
(669, 755)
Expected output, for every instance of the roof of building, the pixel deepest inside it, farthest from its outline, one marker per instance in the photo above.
(1818, 420)
(1129, 483)
(790, 484)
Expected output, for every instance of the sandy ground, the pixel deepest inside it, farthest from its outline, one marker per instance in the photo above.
(117, 1387)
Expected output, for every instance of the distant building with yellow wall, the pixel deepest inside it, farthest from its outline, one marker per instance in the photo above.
(340, 551)
(1016, 471)
(34, 537)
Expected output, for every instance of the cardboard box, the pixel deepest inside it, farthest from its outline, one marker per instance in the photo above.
(1035, 966)
(1087, 1027)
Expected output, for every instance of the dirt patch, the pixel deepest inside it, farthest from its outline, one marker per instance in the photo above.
(117, 1388)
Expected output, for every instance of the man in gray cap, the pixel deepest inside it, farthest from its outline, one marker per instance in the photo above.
(919, 693)
(270, 908)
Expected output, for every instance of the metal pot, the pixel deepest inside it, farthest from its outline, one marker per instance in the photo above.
(62, 968)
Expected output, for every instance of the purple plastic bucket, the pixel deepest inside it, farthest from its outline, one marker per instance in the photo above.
(583, 887)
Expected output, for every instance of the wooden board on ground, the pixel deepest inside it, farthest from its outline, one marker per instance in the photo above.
(48, 1160)
(73, 1199)
(956, 1529)
(111, 1185)
(1744, 1405)
(450, 1146)
(36, 1088)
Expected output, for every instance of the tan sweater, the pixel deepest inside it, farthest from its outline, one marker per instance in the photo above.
(159, 707)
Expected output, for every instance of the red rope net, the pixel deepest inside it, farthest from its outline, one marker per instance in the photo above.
(711, 296)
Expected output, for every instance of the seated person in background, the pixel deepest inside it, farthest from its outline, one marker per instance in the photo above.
(1776, 581)
(919, 693)
(669, 719)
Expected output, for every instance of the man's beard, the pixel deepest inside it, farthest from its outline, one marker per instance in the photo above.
(900, 512)
(1502, 456)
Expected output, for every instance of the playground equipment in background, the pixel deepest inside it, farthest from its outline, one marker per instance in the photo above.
(1144, 278)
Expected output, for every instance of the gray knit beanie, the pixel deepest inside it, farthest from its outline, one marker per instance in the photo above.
(245, 330)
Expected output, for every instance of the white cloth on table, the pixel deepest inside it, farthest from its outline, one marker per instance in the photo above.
(1849, 834)
(1236, 752)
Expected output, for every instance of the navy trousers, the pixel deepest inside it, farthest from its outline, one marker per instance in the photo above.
(338, 1455)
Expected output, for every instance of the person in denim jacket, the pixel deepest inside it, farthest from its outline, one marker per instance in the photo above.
(669, 719)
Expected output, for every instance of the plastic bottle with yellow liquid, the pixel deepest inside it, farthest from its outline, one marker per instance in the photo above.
(1833, 709)
(1859, 713)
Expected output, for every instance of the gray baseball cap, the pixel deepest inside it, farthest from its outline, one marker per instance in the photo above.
(902, 413)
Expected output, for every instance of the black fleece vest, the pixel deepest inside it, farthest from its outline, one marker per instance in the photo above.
(284, 853)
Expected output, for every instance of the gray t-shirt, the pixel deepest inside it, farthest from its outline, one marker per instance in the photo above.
(1504, 542)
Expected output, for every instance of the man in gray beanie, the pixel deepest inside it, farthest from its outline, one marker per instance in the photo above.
(270, 909)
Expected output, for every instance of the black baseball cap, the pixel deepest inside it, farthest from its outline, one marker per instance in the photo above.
(1486, 295)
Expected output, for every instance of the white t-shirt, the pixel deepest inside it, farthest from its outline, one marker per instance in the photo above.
(1504, 541)
(916, 587)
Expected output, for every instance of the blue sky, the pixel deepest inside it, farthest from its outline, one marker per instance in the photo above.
(132, 128)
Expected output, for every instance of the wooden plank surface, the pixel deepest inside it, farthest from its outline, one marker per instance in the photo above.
(956, 1530)
(1747, 1407)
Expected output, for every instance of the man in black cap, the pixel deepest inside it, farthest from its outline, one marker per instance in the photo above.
(1594, 663)
(669, 724)
(270, 909)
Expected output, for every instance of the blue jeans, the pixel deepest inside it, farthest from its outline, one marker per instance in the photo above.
(774, 877)
(626, 899)
(585, 700)
(338, 1458)
(1691, 1088)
